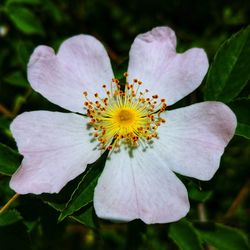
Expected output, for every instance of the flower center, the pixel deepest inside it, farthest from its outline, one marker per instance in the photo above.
(124, 116)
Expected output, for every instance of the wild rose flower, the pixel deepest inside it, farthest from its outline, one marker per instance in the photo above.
(147, 143)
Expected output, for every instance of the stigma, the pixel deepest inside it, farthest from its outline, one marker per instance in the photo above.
(128, 115)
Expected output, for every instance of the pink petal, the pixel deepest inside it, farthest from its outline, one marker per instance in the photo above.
(56, 148)
(154, 61)
(82, 64)
(193, 138)
(139, 186)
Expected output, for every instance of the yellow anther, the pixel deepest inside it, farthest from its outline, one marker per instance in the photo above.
(124, 116)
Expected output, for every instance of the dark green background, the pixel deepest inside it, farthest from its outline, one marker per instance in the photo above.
(24, 24)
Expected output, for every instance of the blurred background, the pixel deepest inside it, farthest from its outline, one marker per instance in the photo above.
(25, 24)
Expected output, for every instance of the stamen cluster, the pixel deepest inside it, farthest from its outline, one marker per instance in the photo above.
(125, 115)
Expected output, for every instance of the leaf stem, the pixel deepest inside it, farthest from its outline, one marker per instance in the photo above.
(5, 207)
(5, 111)
(238, 200)
(202, 212)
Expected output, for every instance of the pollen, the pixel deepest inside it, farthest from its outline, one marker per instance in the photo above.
(126, 115)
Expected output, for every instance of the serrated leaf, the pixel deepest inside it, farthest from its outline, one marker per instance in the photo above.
(184, 235)
(17, 79)
(9, 217)
(25, 20)
(86, 216)
(222, 237)
(241, 109)
(84, 192)
(9, 160)
(230, 70)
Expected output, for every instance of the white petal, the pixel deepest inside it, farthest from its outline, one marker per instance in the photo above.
(193, 138)
(139, 186)
(56, 148)
(82, 64)
(154, 61)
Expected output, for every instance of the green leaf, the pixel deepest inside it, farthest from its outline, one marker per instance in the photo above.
(86, 216)
(25, 20)
(59, 201)
(31, 2)
(9, 160)
(184, 235)
(195, 193)
(84, 192)
(24, 50)
(200, 196)
(230, 70)
(243, 130)
(222, 237)
(241, 109)
(9, 217)
(57, 206)
(4, 123)
(17, 79)
(54, 11)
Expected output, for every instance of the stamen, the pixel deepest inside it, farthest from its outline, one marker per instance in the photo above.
(124, 116)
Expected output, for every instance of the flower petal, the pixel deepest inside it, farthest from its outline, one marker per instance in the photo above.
(56, 148)
(139, 186)
(82, 64)
(193, 138)
(154, 61)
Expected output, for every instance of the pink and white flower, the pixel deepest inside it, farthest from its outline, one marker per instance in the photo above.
(147, 144)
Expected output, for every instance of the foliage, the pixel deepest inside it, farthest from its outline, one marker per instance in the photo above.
(219, 216)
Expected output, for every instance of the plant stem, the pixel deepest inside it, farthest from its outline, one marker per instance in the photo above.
(5, 111)
(238, 200)
(5, 207)
(202, 212)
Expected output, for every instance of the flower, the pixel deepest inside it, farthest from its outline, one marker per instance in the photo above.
(147, 143)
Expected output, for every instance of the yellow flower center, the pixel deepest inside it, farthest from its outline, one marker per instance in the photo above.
(124, 116)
